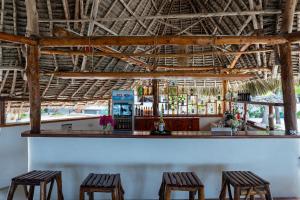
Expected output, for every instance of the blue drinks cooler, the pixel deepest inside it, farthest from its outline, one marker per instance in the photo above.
(123, 111)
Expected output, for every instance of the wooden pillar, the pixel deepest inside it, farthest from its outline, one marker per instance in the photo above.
(287, 79)
(2, 112)
(288, 88)
(271, 117)
(245, 111)
(155, 91)
(33, 77)
(32, 66)
(225, 90)
(109, 107)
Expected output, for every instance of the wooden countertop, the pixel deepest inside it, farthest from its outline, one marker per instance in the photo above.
(178, 116)
(145, 134)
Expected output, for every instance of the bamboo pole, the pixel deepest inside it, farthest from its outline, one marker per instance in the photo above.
(151, 55)
(160, 40)
(149, 75)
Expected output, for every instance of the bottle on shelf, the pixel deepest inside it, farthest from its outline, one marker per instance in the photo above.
(142, 111)
(161, 126)
(162, 109)
(219, 109)
(136, 110)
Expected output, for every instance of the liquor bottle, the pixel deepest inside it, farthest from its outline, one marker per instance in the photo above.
(162, 109)
(142, 111)
(219, 109)
(136, 110)
(161, 126)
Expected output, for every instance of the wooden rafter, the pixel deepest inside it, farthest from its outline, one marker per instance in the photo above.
(178, 16)
(150, 75)
(160, 40)
(112, 53)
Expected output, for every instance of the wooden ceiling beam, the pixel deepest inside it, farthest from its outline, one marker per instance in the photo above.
(159, 40)
(110, 53)
(150, 75)
(17, 39)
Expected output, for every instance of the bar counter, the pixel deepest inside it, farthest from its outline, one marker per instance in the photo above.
(146, 134)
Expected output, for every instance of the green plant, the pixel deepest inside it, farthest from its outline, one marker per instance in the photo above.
(298, 114)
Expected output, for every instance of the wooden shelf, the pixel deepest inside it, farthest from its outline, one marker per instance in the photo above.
(257, 103)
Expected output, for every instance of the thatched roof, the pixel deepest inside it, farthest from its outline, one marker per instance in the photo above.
(136, 17)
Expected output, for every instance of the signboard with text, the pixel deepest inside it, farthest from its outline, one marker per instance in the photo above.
(122, 95)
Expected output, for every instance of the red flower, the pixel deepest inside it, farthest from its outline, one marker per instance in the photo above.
(105, 120)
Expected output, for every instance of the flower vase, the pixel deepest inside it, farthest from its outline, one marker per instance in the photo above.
(234, 130)
(108, 129)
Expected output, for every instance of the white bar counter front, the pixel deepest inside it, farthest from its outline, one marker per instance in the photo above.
(141, 161)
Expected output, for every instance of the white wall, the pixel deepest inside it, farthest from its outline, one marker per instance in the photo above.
(13, 154)
(142, 161)
(14, 148)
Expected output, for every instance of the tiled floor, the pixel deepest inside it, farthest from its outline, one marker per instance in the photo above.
(19, 195)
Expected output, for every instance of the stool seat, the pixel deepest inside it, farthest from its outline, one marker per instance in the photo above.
(37, 178)
(244, 183)
(102, 183)
(181, 181)
(244, 179)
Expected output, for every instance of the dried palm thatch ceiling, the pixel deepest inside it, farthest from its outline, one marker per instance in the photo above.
(69, 18)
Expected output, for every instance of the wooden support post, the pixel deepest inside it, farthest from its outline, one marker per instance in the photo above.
(32, 66)
(155, 91)
(287, 78)
(288, 88)
(2, 112)
(245, 111)
(271, 117)
(109, 107)
(33, 77)
(225, 90)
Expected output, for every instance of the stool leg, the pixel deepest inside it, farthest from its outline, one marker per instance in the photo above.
(50, 190)
(223, 189)
(31, 192)
(161, 191)
(114, 195)
(91, 195)
(191, 195)
(268, 193)
(237, 193)
(201, 193)
(81, 195)
(43, 191)
(12, 190)
(60, 195)
(167, 194)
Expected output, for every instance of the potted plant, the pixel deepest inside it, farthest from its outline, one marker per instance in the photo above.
(106, 123)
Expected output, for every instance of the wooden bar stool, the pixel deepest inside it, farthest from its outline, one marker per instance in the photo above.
(181, 181)
(37, 178)
(244, 183)
(102, 183)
